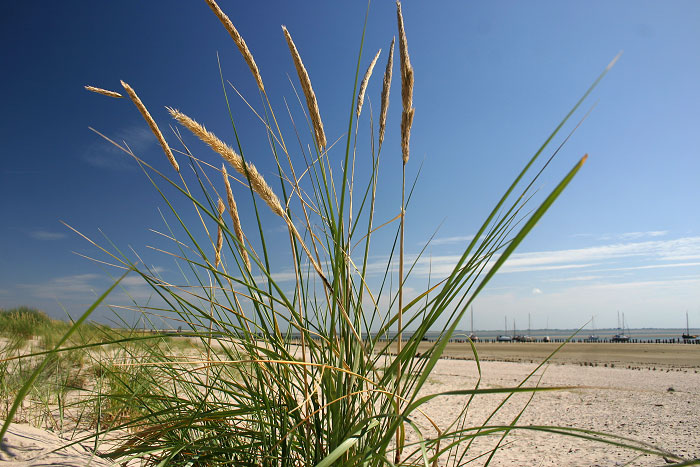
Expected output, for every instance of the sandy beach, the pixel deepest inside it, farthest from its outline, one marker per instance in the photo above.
(677, 356)
(658, 407)
(648, 392)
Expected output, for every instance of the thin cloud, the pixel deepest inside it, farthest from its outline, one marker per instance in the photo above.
(652, 250)
(652, 233)
(508, 269)
(105, 155)
(64, 287)
(577, 278)
(665, 283)
(654, 266)
(625, 235)
(650, 254)
(452, 240)
(634, 235)
(46, 235)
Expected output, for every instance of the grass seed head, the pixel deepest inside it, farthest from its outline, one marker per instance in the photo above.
(365, 81)
(248, 170)
(238, 40)
(151, 123)
(233, 211)
(406, 87)
(311, 102)
(386, 88)
(104, 92)
(219, 232)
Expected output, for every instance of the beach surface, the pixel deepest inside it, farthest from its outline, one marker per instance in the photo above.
(659, 407)
(647, 392)
(677, 356)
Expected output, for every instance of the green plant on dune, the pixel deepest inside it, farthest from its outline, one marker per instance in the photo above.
(321, 374)
(24, 322)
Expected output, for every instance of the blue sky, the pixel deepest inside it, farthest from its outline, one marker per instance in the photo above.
(492, 80)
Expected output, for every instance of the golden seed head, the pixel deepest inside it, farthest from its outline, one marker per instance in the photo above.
(219, 233)
(406, 87)
(363, 85)
(385, 93)
(152, 124)
(406, 122)
(233, 211)
(104, 92)
(247, 169)
(238, 40)
(311, 102)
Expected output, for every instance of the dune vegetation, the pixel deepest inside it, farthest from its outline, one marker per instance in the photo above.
(303, 376)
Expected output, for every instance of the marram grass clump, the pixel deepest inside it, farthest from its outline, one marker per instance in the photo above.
(320, 372)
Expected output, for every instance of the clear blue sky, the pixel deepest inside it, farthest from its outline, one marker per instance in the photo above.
(492, 80)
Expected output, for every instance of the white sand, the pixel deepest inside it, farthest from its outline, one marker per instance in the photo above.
(24, 445)
(634, 403)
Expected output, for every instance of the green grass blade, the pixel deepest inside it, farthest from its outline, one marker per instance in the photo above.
(346, 445)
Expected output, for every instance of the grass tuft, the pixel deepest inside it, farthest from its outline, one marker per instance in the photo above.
(315, 366)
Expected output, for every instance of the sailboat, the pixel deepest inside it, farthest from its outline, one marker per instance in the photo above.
(621, 336)
(687, 335)
(526, 337)
(505, 337)
(593, 337)
(473, 337)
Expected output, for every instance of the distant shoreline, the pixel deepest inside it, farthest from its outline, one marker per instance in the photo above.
(629, 355)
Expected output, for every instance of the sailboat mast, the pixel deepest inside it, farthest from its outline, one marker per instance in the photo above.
(472, 320)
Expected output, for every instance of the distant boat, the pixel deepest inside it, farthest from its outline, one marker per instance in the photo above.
(620, 336)
(519, 337)
(505, 337)
(473, 337)
(593, 337)
(687, 335)
(527, 337)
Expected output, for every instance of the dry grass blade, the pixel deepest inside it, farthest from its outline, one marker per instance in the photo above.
(238, 40)
(311, 102)
(233, 211)
(104, 92)
(257, 182)
(406, 87)
(386, 88)
(219, 233)
(152, 124)
(365, 81)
